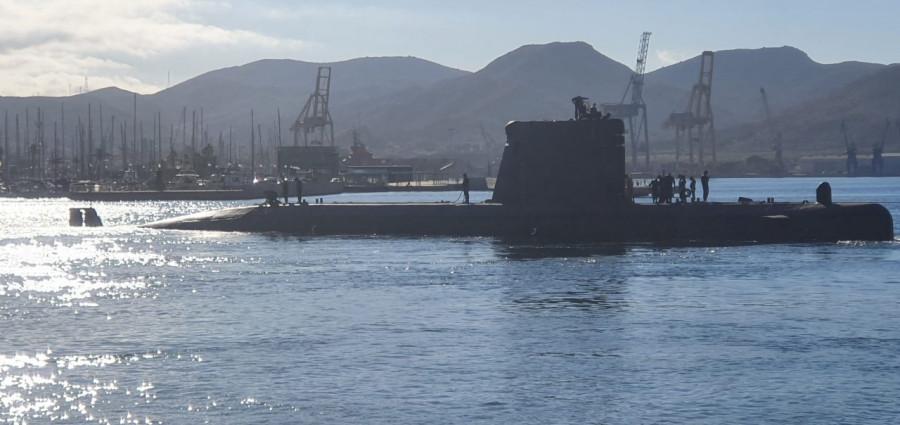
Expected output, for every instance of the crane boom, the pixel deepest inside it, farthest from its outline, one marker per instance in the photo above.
(637, 108)
(844, 134)
(637, 79)
(697, 120)
(315, 115)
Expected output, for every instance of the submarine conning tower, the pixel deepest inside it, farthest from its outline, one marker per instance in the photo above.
(575, 164)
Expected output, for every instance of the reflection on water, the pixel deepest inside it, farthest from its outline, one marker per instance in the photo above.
(535, 252)
(601, 295)
(48, 387)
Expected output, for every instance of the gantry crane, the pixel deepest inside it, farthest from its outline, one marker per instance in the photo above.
(878, 150)
(777, 135)
(851, 151)
(637, 107)
(697, 120)
(315, 117)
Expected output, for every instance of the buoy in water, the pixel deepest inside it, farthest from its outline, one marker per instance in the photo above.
(84, 217)
(91, 219)
(76, 219)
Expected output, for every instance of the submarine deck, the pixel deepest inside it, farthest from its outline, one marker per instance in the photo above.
(695, 222)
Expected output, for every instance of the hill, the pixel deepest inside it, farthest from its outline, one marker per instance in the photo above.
(789, 76)
(814, 126)
(409, 107)
(222, 101)
(531, 82)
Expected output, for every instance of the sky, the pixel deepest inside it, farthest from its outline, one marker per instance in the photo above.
(62, 47)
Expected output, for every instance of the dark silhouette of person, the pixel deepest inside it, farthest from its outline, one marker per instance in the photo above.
(654, 188)
(593, 112)
(661, 192)
(465, 188)
(667, 189)
(704, 181)
(673, 184)
(271, 198)
(682, 189)
(580, 107)
(284, 190)
(299, 186)
(693, 186)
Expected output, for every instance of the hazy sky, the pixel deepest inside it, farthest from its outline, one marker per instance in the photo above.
(49, 47)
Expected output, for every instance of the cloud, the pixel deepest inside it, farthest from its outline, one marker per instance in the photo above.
(668, 57)
(48, 45)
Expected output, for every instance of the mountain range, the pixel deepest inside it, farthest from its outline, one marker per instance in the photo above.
(409, 107)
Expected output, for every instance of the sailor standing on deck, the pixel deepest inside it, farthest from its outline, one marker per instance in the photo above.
(580, 108)
(693, 186)
(704, 181)
(284, 190)
(465, 188)
(668, 188)
(299, 185)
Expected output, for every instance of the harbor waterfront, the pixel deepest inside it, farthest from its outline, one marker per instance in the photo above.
(123, 324)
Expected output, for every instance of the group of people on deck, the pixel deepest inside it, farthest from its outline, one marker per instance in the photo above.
(664, 188)
(298, 184)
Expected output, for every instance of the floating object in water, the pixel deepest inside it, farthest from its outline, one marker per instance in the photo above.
(87, 217)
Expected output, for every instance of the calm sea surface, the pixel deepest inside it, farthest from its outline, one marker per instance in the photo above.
(121, 324)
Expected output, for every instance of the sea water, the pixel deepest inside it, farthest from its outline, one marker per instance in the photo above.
(121, 324)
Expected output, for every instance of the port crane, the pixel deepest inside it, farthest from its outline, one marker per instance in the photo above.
(777, 145)
(878, 150)
(696, 122)
(315, 117)
(851, 151)
(637, 109)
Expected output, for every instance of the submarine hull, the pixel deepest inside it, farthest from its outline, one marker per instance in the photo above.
(701, 222)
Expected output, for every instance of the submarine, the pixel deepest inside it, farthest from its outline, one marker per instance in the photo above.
(534, 199)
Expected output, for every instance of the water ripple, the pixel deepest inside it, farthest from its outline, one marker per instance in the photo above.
(127, 325)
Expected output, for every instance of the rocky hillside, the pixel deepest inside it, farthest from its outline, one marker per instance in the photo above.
(532, 82)
(814, 126)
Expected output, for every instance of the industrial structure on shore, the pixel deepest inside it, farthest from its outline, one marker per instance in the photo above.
(636, 111)
(119, 168)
